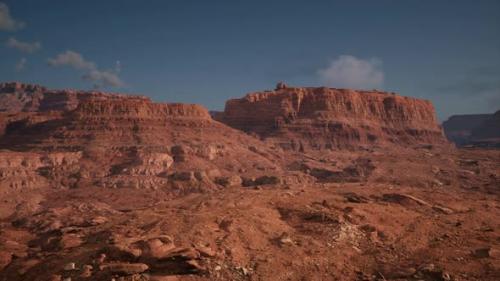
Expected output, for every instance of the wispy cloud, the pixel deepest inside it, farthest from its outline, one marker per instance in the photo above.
(21, 64)
(479, 85)
(7, 23)
(118, 66)
(351, 72)
(100, 78)
(72, 59)
(24, 47)
(103, 78)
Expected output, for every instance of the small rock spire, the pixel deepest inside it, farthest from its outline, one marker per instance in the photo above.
(281, 85)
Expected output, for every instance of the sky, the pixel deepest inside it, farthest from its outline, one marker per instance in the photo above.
(209, 51)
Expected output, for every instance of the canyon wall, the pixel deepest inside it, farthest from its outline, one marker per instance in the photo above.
(474, 129)
(322, 118)
(120, 140)
(123, 140)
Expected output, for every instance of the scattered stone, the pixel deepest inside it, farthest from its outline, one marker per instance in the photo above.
(205, 251)
(120, 249)
(400, 198)
(355, 198)
(201, 176)
(213, 173)
(402, 273)
(367, 228)
(55, 225)
(248, 181)
(436, 170)
(431, 272)
(208, 152)
(183, 176)
(469, 162)
(358, 171)
(185, 253)
(157, 247)
(263, 180)
(124, 268)
(163, 278)
(98, 220)
(443, 210)
(70, 241)
(482, 252)
(225, 223)
(437, 182)
(285, 239)
(229, 181)
(325, 204)
(86, 271)
(27, 265)
(195, 266)
(55, 277)
(100, 259)
(70, 266)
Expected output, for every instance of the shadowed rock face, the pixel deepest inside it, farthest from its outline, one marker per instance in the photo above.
(473, 129)
(458, 128)
(334, 118)
(489, 131)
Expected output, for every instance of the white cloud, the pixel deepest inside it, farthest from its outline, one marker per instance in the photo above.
(25, 47)
(21, 64)
(100, 78)
(350, 72)
(7, 23)
(72, 59)
(106, 78)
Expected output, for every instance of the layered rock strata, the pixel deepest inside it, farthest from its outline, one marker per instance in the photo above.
(334, 118)
(126, 141)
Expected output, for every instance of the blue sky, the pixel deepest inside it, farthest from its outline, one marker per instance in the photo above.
(209, 51)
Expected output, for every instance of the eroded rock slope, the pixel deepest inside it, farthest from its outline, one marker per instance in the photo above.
(320, 118)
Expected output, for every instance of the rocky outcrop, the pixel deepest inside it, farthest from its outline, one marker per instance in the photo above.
(458, 128)
(23, 171)
(320, 118)
(125, 141)
(17, 97)
(120, 141)
(488, 133)
(94, 119)
(474, 129)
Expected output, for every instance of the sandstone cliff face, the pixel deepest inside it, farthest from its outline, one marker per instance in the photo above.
(129, 141)
(126, 141)
(334, 118)
(17, 97)
(74, 119)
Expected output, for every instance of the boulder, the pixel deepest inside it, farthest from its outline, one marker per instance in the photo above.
(157, 248)
(230, 181)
